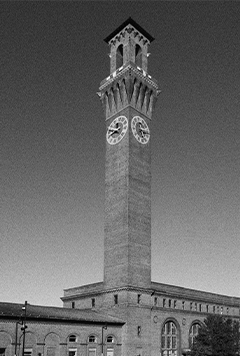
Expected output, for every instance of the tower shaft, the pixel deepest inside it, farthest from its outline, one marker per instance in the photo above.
(128, 96)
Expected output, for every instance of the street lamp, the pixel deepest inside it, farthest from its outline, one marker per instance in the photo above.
(103, 328)
(22, 322)
(19, 322)
(24, 327)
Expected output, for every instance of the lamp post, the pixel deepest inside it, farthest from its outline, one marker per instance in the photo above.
(19, 322)
(24, 327)
(103, 328)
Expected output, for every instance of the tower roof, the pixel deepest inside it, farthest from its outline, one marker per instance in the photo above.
(124, 24)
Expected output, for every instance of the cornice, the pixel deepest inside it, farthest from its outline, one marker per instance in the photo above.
(178, 292)
(166, 291)
(107, 291)
(120, 72)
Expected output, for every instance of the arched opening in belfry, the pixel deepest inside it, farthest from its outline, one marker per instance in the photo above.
(119, 56)
(138, 56)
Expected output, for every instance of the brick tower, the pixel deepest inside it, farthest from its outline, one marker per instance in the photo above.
(160, 319)
(128, 95)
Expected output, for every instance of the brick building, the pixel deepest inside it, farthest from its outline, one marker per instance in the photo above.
(143, 317)
(160, 318)
(58, 331)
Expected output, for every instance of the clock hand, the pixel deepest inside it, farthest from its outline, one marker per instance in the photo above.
(143, 132)
(113, 131)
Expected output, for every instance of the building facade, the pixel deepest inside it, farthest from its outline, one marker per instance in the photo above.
(160, 319)
(53, 331)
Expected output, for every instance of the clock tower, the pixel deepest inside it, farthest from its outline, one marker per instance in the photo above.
(128, 96)
(158, 318)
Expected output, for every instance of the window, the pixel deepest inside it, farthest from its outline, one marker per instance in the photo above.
(72, 352)
(214, 309)
(73, 305)
(227, 311)
(170, 303)
(138, 56)
(221, 311)
(93, 302)
(139, 330)
(169, 339)
(183, 305)
(164, 303)
(110, 339)
(175, 304)
(196, 306)
(207, 308)
(155, 301)
(109, 352)
(92, 338)
(200, 307)
(119, 56)
(139, 298)
(191, 306)
(116, 299)
(193, 333)
(91, 352)
(72, 338)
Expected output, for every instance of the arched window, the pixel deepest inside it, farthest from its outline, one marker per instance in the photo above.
(138, 56)
(193, 332)
(92, 338)
(169, 339)
(110, 339)
(52, 342)
(72, 338)
(92, 349)
(119, 56)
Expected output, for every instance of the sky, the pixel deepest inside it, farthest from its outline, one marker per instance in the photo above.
(52, 144)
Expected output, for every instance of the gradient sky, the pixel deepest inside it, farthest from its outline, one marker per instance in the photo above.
(52, 139)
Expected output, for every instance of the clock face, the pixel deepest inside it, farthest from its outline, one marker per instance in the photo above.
(140, 129)
(117, 130)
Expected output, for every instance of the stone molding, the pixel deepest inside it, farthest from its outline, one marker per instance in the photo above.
(130, 86)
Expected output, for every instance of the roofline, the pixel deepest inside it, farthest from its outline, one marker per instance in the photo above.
(124, 24)
(35, 319)
(35, 316)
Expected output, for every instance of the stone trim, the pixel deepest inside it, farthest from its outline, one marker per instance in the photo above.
(121, 71)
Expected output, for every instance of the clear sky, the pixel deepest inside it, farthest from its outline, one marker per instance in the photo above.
(52, 140)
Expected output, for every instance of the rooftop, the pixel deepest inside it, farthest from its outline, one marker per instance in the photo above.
(129, 21)
(40, 312)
